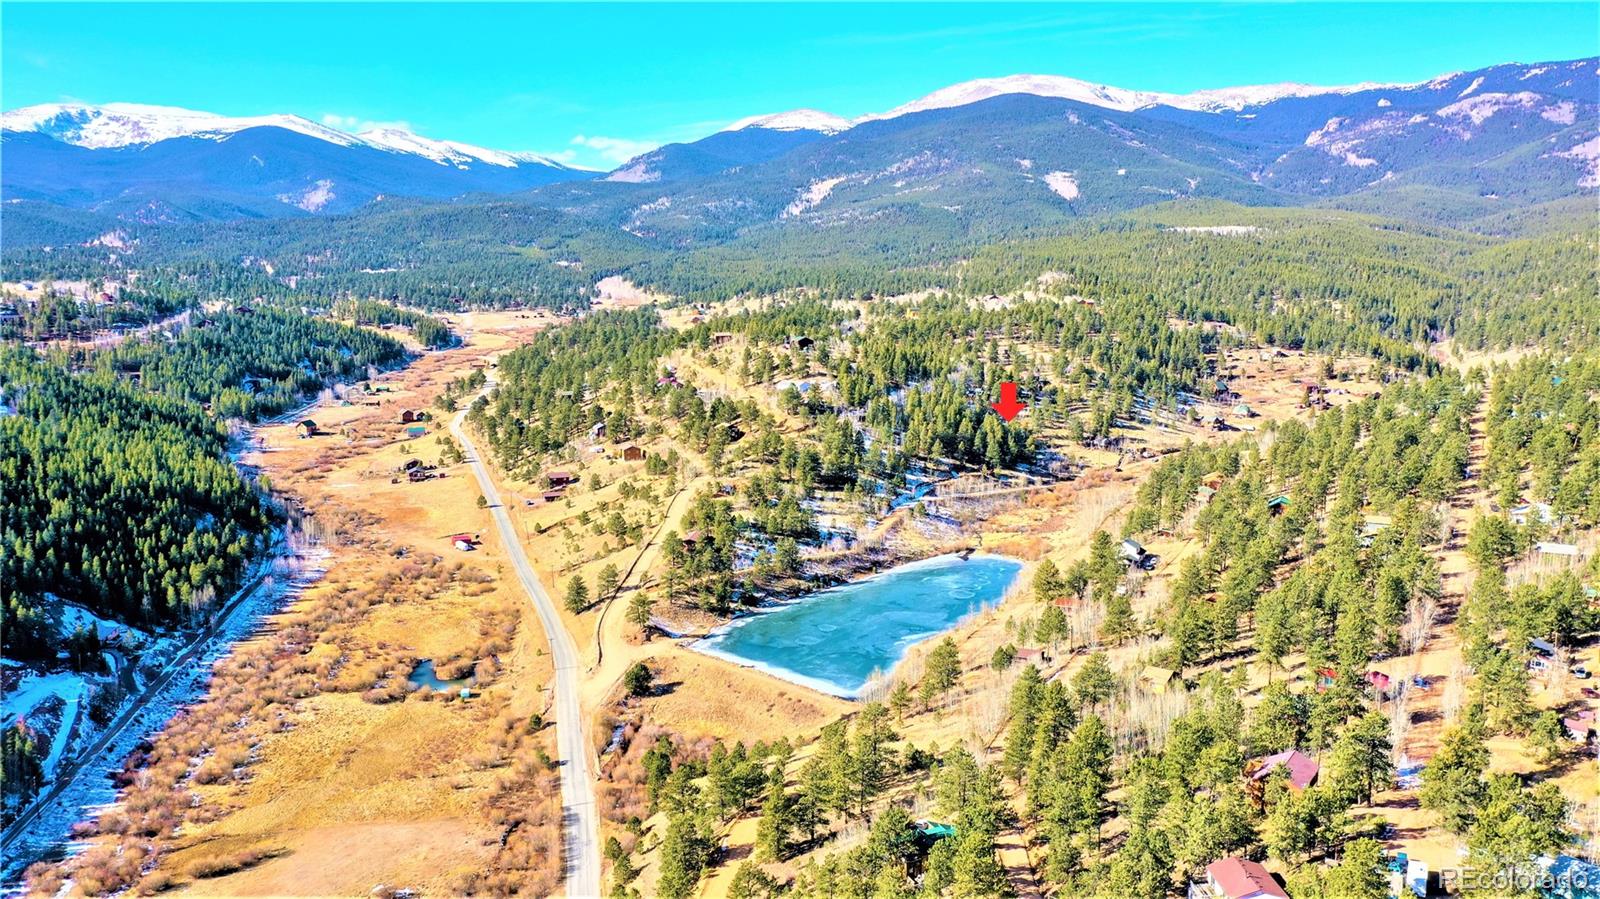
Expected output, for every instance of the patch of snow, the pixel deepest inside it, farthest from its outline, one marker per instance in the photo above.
(1536, 70)
(1563, 113)
(794, 120)
(1587, 152)
(1476, 83)
(811, 195)
(448, 152)
(1483, 107)
(313, 199)
(1229, 230)
(1122, 171)
(637, 173)
(1063, 183)
(1384, 102)
(1025, 164)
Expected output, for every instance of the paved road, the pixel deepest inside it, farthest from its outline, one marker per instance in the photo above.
(579, 815)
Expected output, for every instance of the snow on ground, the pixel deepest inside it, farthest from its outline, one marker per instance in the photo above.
(1480, 108)
(811, 195)
(1064, 184)
(34, 689)
(288, 576)
(1215, 229)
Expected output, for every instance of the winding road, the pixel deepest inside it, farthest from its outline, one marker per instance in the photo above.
(579, 814)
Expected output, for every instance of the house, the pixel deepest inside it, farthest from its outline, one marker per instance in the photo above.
(721, 338)
(1213, 479)
(1301, 768)
(1155, 679)
(1325, 678)
(1205, 493)
(463, 542)
(407, 416)
(1542, 647)
(561, 478)
(416, 431)
(1243, 410)
(1065, 603)
(1035, 656)
(1580, 729)
(1238, 878)
(1525, 513)
(633, 453)
(1131, 550)
(1378, 680)
(1278, 505)
(803, 343)
(693, 539)
(551, 496)
(307, 428)
(597, 430)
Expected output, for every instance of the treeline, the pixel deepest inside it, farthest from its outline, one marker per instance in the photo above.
(253, 362)
(429, 331)
(117, 499)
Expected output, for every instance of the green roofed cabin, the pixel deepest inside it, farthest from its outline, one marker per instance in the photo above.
(1278, 504)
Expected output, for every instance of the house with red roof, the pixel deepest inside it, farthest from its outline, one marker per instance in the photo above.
(1302, 768)
(1240, 878)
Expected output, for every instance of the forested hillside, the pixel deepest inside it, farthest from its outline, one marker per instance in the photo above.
(118, 499)
(252, 362)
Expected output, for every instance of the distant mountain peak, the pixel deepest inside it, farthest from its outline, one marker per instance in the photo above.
(1117, 98)
(113, 125)
(794, 120)
(128, 124)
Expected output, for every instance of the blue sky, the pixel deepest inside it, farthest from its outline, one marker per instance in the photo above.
(595, 84)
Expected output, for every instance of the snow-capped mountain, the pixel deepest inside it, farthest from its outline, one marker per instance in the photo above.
(129, 124)
(159, 163)
(794, 120)
(133, 124)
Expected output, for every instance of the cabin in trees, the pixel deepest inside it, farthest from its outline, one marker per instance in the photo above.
(1278, 505)
(1238, 878)
(1155, 679)
(1301, 769)
(408, 416)
(802, 343)
(694, 538)
(1033, 656)
(721, 338)
(560, 479)
(633, 453)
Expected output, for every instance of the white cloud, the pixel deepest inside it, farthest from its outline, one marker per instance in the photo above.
(614, 149)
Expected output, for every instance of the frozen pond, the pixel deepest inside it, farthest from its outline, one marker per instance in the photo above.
(835, 640)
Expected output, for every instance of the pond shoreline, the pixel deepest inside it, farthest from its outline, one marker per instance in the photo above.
(709, 642)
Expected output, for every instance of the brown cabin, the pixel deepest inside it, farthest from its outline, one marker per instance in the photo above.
(632, 453)
(561, 478)
(721, 338)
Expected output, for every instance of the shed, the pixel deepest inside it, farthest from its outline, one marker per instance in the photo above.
(1548, 548)
(632, 453)
(1156, 679)
(416, 431)
(1131, 550)
(554, 494)
(720, 338)
(307, 428)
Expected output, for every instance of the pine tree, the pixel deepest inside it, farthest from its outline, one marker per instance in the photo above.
(577, 594)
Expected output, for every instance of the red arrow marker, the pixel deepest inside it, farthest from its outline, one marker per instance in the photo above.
(1009, 405)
